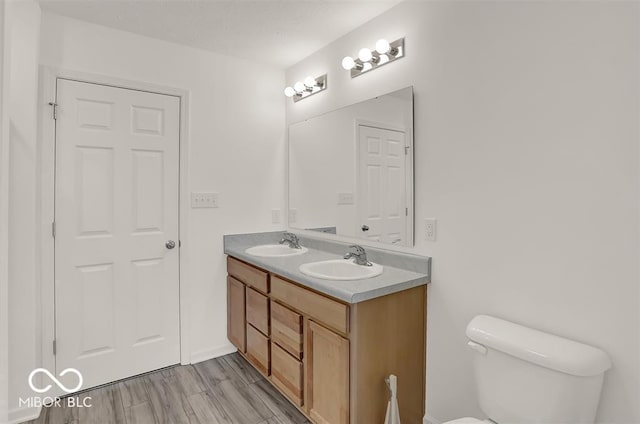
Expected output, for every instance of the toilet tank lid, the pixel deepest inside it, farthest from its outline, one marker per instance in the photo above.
(544, 349)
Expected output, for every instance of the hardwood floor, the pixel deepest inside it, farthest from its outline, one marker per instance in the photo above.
(225, 390)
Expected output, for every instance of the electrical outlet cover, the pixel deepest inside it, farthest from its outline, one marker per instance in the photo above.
(293, 215)
(275, 216)
(345, 199)
(430, 229)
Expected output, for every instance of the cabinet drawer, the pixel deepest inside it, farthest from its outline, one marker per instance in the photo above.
(258, 311)
(286, 329)
(258, 349)
(330, 312)
(286, 373)
(249, 275)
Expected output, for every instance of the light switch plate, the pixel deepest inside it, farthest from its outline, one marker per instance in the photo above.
(345, 198)
(204, 200)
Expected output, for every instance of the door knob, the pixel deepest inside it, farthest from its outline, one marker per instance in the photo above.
(170, 244)
(365, 228)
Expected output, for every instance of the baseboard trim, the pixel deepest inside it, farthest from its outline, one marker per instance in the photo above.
(20, 415)
(430, 420)
(206, 354)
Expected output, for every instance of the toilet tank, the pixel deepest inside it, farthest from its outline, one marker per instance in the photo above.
(528, 376)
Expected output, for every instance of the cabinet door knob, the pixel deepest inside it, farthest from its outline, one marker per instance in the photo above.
(170, 244)
(365, 228)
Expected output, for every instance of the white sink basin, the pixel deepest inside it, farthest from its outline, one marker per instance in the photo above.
(275, 250)
(340, 269)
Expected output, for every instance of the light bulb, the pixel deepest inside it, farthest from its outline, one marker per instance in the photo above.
(365, 55)
(366, 67)
(382, 46)
(348, 63)
(289, 91)
(310, 82)
(299, 87)
(383, 59)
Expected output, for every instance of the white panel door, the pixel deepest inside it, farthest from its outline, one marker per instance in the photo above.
(116, 207)
(382, 191)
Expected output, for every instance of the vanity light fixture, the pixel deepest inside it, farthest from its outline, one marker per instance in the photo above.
(368, 60)
(301, 90)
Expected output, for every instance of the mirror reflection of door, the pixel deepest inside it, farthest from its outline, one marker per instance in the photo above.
(382, 191)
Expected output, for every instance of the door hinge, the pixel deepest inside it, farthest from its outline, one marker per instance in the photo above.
(406, 149)
(54, 107)
(53, 229)
(55, 347)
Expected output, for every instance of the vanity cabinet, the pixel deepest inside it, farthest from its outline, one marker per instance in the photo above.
(328, 357)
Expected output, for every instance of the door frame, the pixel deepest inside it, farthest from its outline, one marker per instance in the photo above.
(46, 161)
(409, 177)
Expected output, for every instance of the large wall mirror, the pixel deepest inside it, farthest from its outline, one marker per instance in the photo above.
(351, 170)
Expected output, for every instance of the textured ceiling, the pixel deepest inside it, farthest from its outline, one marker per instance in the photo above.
(277, 32)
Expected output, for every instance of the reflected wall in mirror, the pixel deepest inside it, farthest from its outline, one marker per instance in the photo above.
(351, 170)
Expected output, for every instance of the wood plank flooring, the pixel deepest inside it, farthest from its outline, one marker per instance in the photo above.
(225, 390)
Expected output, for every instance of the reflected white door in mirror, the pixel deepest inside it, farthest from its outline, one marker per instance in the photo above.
(382, 209)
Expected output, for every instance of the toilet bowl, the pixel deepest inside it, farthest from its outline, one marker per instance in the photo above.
(558, 380)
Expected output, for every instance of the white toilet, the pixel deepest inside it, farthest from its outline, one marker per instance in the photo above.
(526, 376)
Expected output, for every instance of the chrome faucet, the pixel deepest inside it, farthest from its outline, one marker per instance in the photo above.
(359, 255)
(291, 239)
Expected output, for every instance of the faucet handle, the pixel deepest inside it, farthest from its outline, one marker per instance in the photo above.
(360, 255)
(358, 249)
(291, 239)
(289, 236)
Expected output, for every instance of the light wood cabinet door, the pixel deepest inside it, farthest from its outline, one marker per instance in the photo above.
(327, 362)
(236, 326)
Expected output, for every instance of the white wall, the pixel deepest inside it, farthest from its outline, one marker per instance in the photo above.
(23, 24)
(236, 144)
(526, 124)
(236, 147)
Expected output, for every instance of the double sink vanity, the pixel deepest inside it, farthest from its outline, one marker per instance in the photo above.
(326, 323)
